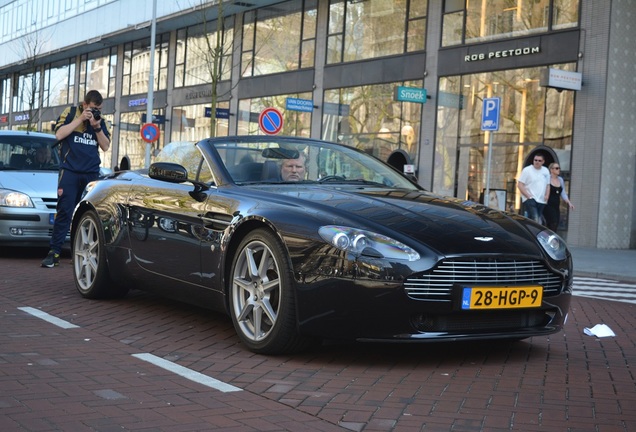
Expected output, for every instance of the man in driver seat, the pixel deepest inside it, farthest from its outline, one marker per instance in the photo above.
(293, 169)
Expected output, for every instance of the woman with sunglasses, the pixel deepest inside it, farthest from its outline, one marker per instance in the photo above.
(551, 212)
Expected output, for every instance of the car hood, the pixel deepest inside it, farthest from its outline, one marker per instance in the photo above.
(447, 225)
(33, 183)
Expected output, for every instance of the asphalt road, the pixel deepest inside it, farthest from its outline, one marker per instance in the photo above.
(144, 363)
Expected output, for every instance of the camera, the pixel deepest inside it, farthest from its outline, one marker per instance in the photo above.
(97, 114)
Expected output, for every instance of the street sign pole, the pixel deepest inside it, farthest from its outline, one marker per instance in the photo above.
(490, 124)
(487, 194)
(151, 76)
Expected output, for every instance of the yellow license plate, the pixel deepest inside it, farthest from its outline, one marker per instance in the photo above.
(502, 298)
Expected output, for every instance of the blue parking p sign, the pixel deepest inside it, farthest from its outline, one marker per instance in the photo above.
(490, 114)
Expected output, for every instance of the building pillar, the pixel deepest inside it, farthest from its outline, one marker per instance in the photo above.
(604, 143)
(319, 68)
(426, 153)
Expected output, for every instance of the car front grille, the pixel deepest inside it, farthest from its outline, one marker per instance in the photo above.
(50, 203)
(437, 284)
(482, 321)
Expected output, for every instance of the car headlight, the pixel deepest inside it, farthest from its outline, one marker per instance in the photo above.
(553, 244)
(89, 187)
(9, 198)
(362, 242)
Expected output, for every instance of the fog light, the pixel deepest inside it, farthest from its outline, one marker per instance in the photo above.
(16, 231)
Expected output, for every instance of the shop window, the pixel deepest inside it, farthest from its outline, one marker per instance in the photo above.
(5, 94)
(58, 85)
(565, 14)
(193, 122)
(27, 93)
(416, 26)
(137, 65)
(106, 156)
(484, 20)
(98, 72)
(369, 118)
(361, 30)
(130, 143)
(295, 123)
(531, 116)
(452, 29)
(279, 38)
(204, 51)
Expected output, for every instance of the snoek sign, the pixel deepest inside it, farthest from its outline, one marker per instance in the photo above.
(517, 52)
(410, 94)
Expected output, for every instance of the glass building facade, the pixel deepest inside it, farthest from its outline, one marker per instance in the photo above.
(404, 80)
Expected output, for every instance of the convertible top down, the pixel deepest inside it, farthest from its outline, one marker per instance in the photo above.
(349, 249)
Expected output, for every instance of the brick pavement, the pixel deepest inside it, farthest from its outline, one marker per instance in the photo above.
(54, 379)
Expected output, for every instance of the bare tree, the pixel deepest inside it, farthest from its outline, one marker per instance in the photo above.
(29, 48)
(214, 61)
(212, 52)
(209, 51)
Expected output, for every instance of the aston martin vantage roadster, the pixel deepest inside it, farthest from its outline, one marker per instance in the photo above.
(302, 240)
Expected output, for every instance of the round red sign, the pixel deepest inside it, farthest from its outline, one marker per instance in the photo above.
(270, 121)
(150, 132)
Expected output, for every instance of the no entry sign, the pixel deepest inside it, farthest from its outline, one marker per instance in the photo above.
(270, 121)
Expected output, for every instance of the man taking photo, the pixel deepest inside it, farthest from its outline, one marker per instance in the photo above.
(81, 132)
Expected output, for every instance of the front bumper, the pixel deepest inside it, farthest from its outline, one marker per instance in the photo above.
(26, 227)
(424, 305)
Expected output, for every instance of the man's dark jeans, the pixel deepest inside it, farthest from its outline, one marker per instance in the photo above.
(533, 210)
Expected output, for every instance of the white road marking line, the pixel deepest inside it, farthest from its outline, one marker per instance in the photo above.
(49, 318)
(606, 298)
(604, 289)
(628, 287)
(187, 373)
(579, 278)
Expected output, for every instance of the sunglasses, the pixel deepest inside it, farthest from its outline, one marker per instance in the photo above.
(556, 168)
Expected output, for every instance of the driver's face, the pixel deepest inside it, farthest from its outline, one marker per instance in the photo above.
(293, 169)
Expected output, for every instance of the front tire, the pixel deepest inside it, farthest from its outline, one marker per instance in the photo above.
(90, 267)
(262, 298)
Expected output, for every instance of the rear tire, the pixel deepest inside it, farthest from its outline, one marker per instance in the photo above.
(90, 267)
(262, 297)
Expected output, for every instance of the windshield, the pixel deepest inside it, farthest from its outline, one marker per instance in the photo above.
(25, 152)
(296, 160)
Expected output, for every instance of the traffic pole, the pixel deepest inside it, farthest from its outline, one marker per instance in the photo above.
(487, 194)
(151, 76)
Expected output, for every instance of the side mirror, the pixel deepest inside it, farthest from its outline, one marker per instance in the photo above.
(168, 171)
(175, 173)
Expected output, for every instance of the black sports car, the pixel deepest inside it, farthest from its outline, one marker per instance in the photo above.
(301, 240)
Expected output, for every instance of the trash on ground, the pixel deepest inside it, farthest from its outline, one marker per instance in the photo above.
(599, 330)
